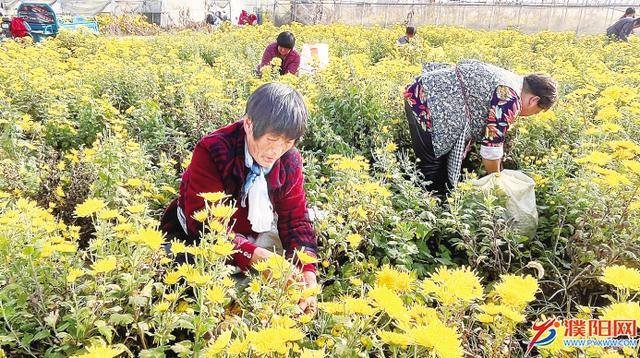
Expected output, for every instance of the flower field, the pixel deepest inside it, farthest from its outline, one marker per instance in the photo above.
(96, 131)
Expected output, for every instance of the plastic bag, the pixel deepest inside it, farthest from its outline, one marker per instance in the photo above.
(521, 202)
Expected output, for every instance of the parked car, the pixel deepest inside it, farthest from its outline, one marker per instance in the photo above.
(41, 21)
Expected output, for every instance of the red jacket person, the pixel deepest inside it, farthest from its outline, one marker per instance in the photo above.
(255, 162)
(283, 48)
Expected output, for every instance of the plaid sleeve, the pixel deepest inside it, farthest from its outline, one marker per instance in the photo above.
(201, 176)
(504, 107)
(294, 227)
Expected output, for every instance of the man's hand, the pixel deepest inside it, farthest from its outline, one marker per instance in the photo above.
(309, 305)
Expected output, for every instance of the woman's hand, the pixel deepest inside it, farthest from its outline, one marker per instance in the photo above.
(260, 254)
(492, 166)
(309, 305)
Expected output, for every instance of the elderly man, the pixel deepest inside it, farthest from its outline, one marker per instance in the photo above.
(255, 162)
(447, 107)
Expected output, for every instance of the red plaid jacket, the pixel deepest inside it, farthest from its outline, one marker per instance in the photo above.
(218, 165)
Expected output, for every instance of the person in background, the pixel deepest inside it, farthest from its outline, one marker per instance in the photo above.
(630, 12)
(253, 19)
(247, 19)
(244, 18)
(255, 162)
(283, 48)
(624, 27)
(409, 34)
(214, 19)
(448, 107)
(19, 27)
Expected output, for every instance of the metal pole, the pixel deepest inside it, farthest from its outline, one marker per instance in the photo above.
(493, 10)
(294, 9)
(580, 18)
(275, 5)
(386, 14)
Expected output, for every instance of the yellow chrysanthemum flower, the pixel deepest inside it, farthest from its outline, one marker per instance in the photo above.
(436, 336)
(622, 277)
(394, 279)
(453, 286)
(597, 158)
(305, 258)
(394, 338)
(310, 353)
(223, 211)
(516, 291)
(223, 248)
(148, 237)
(89, 207)
(108, 214)
(73, 274)
(200, 215)
(219, 345)
(136, 209)
(216, 294)
(213, 197)
(622, 310)
(102, 350)
(354, 240)
(104, 265)
(390, 302)
(274, 339)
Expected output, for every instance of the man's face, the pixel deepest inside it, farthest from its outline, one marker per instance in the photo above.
(409, 36)
(529, 105)
(268, 148)
(283, 51)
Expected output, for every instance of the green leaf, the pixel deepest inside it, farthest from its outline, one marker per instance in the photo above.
(6, 340)
(183, 347)
(105, 330)
(147, 290)
(121, 319)
(138, 301)
(152, 353)
(26, 339)
(143, 327)
(41, 335)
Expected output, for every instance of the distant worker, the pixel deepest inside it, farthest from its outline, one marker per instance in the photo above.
(19, 28)
(283, 48)
(247, 19)
(410, 33)
(630, 12)
(214, 19)
(621, 30)
(448, 107)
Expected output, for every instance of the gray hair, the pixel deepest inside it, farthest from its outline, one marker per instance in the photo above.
(278, 109)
